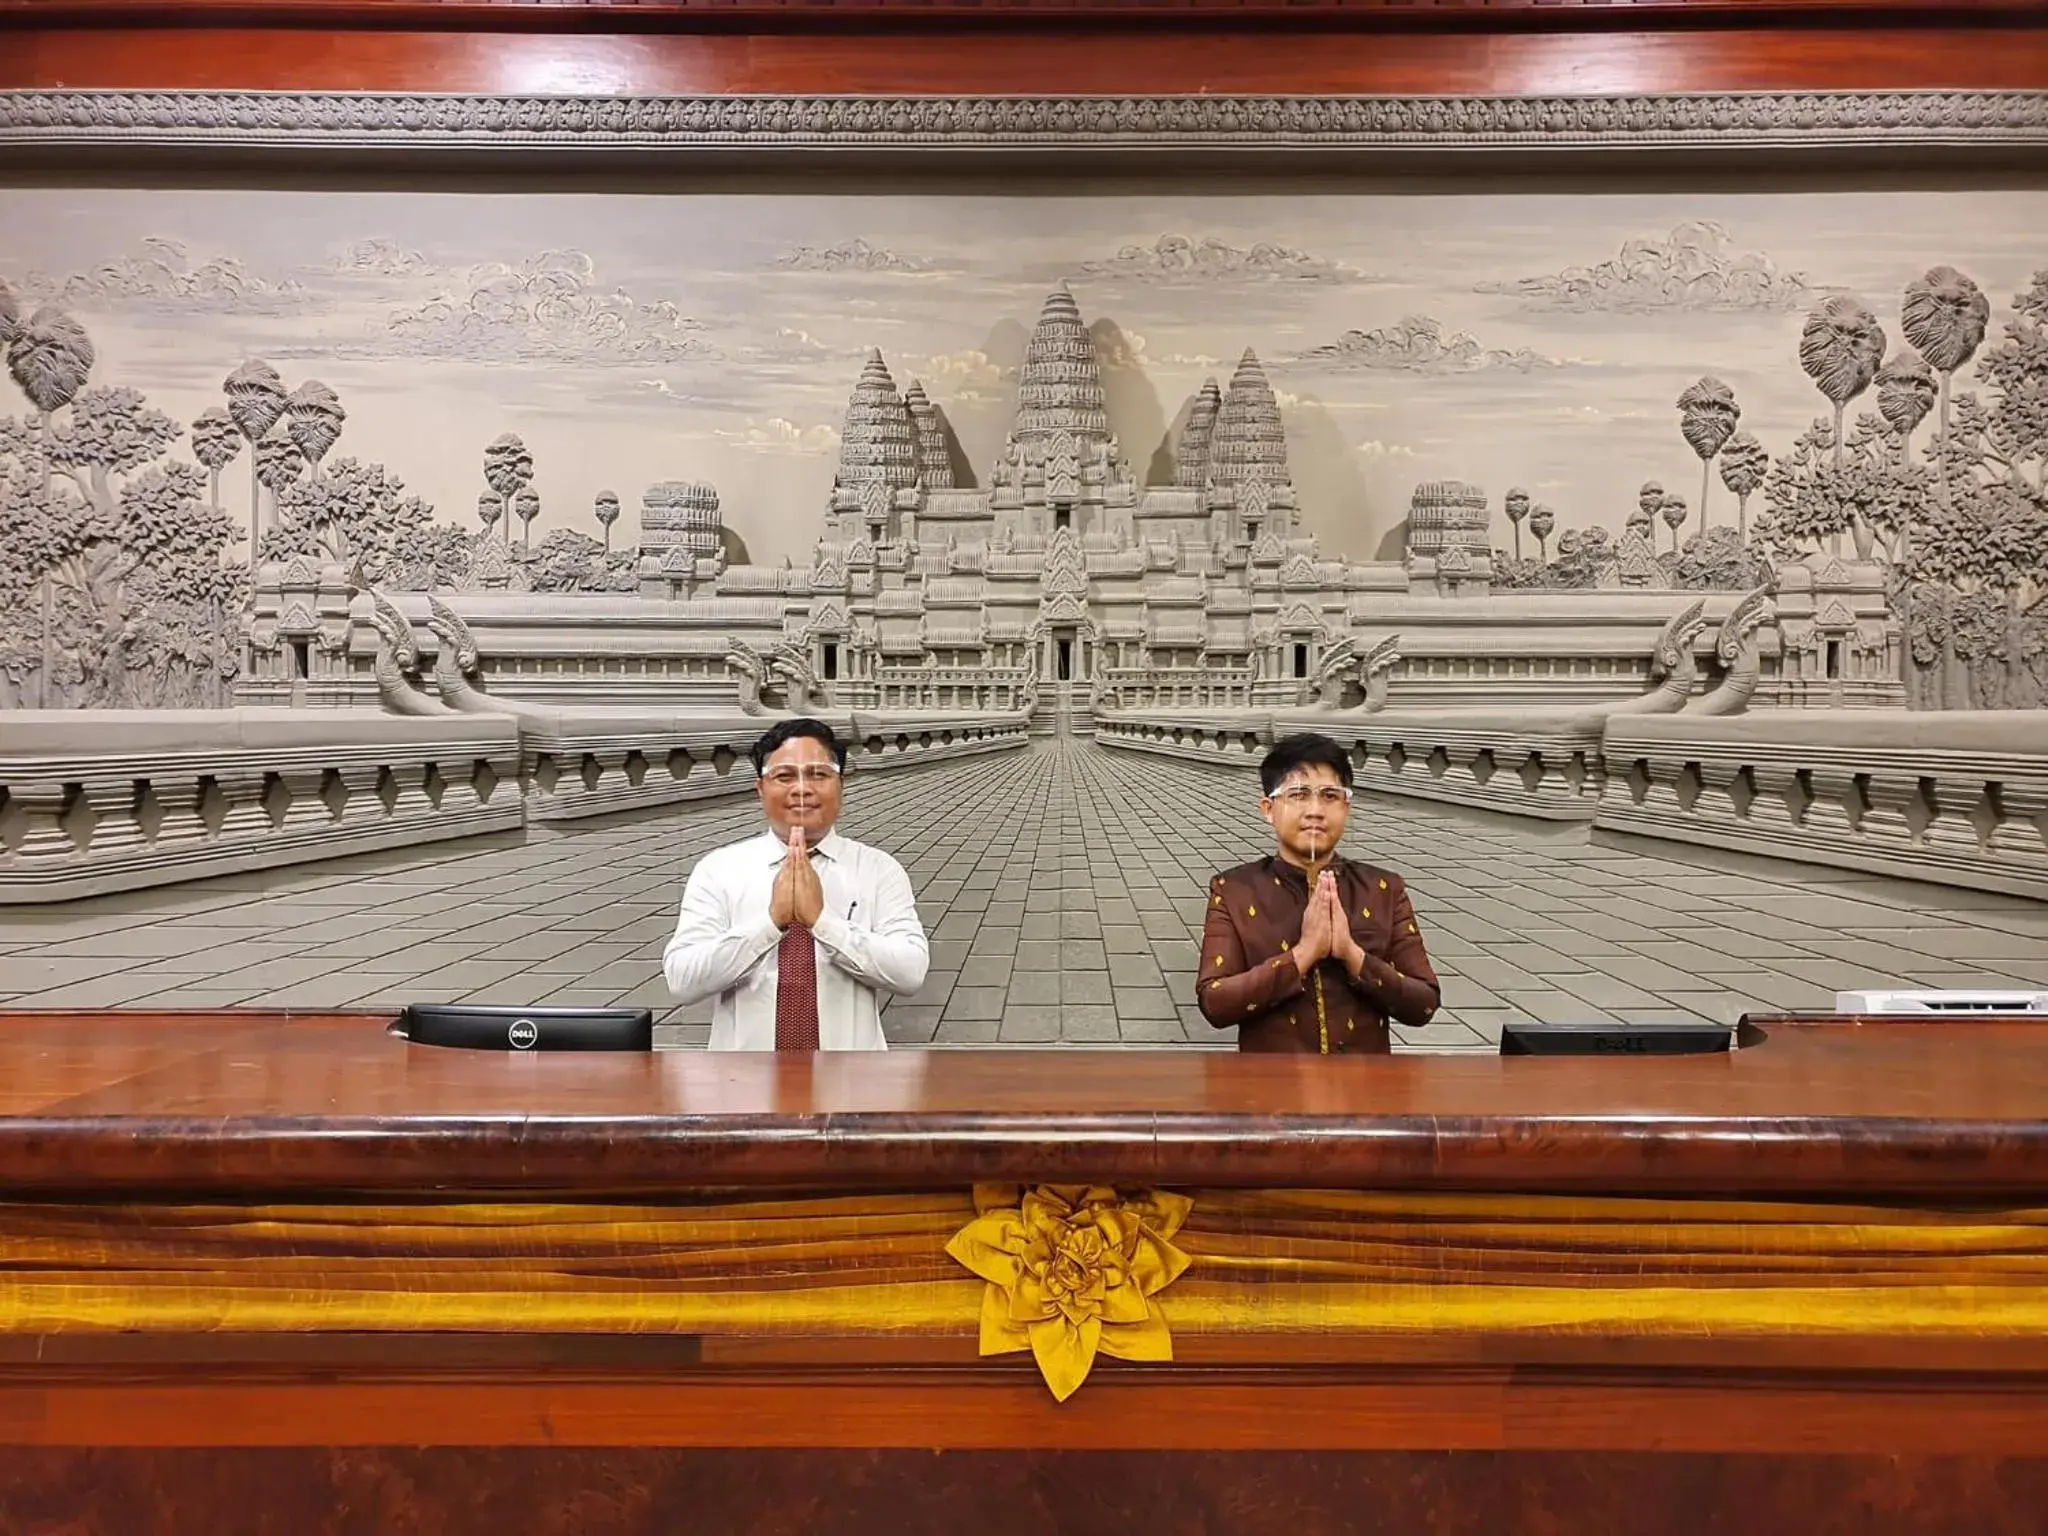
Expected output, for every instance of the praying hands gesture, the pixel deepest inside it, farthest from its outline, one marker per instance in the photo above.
(1325, 935)
(798, 896)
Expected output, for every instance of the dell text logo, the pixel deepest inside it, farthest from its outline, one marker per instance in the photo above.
(524, 1034)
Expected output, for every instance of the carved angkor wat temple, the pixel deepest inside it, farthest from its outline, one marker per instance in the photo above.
(1066, 578)
(1064, 568)
(1065, 586)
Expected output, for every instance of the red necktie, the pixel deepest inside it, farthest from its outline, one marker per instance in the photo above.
(796, 990)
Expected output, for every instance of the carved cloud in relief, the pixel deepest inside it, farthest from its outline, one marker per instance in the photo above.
(1181, 258)
(547, 308)
(1417, 344)
(163, 276)
(1695, 267)
(857, 255)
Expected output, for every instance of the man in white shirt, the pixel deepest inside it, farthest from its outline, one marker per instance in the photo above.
(796, 931)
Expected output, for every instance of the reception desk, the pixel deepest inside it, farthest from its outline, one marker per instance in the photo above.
(287, 1273)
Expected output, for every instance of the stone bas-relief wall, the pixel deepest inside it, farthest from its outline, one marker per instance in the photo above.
(1475, 481)
(1366, 396)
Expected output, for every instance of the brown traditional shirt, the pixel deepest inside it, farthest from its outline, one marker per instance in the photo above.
(1249, 979)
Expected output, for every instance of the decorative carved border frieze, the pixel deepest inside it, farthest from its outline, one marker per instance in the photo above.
(317, 120)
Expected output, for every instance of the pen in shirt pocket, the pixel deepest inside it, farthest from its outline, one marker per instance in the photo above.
(850, 906)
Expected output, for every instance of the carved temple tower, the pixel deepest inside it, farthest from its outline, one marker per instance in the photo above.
(1061, 466)
(877, 491)
(1248, 489)
(1063, 572)
(934, 460)
(1191, 451)
(682, 535)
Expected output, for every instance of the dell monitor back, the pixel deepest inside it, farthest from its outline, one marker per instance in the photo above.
(1615, 1039)
(489, 1027)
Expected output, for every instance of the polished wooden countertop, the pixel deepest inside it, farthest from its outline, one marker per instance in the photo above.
(262, 1101)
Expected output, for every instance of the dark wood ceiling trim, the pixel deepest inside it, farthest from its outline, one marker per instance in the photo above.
(1043, 61)
(1148, 16)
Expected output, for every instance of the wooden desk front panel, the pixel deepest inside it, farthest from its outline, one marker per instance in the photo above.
(285, 1274)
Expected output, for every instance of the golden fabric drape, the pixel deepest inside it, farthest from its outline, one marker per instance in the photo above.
(1257, 1262)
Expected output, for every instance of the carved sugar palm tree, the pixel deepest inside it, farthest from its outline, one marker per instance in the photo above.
(215, 442)
(1517, 508)
(50, 357)
(1707, 419)
(1840, 349)
(316, 420)
(607, 514)
(1906, 392)
(1943, 317)
(527, 505)
(1541, 521)
(1743, 464)
(1674, 512)
(507, 467)
(276, 465)
(256, 401)
(1649, 501)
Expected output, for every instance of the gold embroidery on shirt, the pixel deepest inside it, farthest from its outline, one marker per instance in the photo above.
(1285, 946)
(1219, 962)
(1383, 885)
(1365, 911)
(1251, 911)
(1322, 1020)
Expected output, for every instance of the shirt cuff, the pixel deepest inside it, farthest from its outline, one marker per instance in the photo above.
(764, 938)
(832, 931)
(1291, 981)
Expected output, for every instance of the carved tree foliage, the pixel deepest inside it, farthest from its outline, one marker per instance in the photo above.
(349, 512)
(568, 561)
(1965, 524)
(115, 589)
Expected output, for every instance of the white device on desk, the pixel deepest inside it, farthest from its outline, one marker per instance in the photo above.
(1945, 1004)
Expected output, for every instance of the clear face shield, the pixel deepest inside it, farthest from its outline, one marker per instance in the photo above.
(1302, 796)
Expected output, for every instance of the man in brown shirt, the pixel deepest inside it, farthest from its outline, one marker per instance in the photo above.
(1305, 950)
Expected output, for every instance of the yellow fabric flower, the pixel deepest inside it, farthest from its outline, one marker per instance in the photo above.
(1072, 1269)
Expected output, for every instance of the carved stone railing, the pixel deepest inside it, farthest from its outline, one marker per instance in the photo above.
(578, 765)
(1226, 737)
(1961, 799)
(954, 688)
(1956, 798)
(99, 801)
(1524, 763)
(1165, 689)
(103, 800)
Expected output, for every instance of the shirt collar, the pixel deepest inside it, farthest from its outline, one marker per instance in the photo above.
(830, 847)
(1280, 869)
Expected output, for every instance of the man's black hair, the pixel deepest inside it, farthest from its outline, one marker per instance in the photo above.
(789, 730)
(1306, 750)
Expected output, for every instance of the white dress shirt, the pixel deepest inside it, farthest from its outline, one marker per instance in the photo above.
(869, 941)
